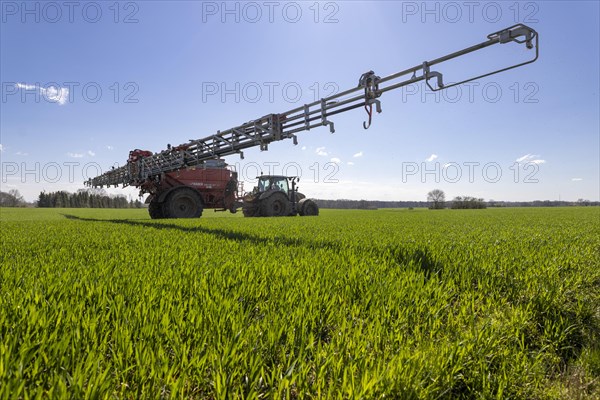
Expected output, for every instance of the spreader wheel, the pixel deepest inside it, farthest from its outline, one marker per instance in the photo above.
(155, 209)
(183, 203)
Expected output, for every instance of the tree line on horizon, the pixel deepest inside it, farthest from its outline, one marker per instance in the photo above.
(436, 199)
(97, 198)
(85, 198)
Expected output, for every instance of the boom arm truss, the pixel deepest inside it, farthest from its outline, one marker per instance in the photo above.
(274, 127)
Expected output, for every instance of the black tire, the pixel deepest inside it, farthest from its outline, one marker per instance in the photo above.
(308, 208)
(250, 210)
(155, 209)
(183, 203)
(276, 205)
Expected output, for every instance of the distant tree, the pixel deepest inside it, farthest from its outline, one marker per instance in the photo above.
(436, 199)
(15, 193)
(468, 202)
(583, 202)
(43, 200)
(12, 199)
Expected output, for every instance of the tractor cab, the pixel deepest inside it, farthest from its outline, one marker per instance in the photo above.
(272, 182)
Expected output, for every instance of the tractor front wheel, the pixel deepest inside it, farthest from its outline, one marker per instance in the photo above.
(183, 203)
(308, 208)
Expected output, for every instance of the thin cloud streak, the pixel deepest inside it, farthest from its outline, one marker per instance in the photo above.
(54, 94)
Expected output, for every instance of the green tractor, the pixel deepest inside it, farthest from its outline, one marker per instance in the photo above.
(277, 196)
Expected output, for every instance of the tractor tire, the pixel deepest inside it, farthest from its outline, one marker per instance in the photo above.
(308, 208)
(183, 202)
(155, 209)
(249, 211)
(276, 205)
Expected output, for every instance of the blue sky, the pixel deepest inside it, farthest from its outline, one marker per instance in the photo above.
(85, 82)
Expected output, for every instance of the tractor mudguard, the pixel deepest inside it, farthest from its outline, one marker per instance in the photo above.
(268, 193)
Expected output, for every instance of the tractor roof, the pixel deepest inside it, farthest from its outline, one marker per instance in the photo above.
(275, 176)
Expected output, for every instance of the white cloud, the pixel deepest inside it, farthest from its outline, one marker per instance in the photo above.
(359, 154)
(109, 147)
(530, 159)
(321, 151)
(54, 94)
(350, 163)
(576, 179)
(303, 147)
(25, 86)
(91, 153)
(431, 158)
(1, 148)
(75, 155)
(58, 95)
(336, 160)
(20, 153)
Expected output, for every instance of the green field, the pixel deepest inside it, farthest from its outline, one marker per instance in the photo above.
(497, 303)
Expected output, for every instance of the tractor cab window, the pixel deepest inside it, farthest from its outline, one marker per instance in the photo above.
(263, 185)
(280, 184)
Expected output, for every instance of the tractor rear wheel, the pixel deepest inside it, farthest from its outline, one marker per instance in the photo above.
(309, 208)
(276, 205)
(183, 203)
(155, 209)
